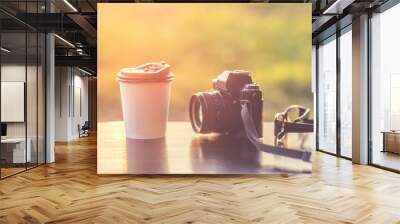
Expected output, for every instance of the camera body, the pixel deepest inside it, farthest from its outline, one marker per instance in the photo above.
(219, 110)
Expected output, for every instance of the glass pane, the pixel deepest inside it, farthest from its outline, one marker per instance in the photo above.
(31, 97)
(385, 84)
(346, 94)
(13, 88)
(41, 98)
(327, 96)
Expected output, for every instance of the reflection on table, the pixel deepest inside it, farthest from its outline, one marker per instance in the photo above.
(146, 156)
(184, 152)
(222, 153)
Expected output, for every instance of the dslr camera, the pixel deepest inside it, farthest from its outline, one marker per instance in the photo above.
(219, 110)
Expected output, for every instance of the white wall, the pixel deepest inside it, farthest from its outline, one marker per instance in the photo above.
(12, 73)
(62, 82)
(81, 100)
(33, 126)
(71, 94)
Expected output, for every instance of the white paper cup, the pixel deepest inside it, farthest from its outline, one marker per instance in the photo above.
(145, 97)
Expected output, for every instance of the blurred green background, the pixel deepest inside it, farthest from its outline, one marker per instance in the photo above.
(199, 41)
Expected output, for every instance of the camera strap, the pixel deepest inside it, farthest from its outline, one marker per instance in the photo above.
(251, 133)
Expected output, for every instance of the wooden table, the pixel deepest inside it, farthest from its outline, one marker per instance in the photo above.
(391, 141)
(185, 152)
(18, 153)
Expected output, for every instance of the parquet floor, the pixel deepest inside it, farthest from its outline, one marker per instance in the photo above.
(69, 191)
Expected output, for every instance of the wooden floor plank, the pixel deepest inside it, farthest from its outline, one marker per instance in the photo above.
(70, 191)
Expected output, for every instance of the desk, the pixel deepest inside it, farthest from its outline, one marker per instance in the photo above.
(17, 150)
(391, 141)
(185, 152)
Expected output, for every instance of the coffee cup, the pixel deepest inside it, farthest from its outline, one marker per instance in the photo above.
(145, 96)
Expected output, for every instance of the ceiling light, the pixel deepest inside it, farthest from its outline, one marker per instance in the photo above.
(337, 7)
(65, 41)
(70, 5)
(332, 7)
(84, 71)
(5, 50)
(80, 51)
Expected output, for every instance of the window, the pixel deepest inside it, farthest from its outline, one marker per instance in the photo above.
(22, 88)
(346, 92)
(385, 89)
(327, 95)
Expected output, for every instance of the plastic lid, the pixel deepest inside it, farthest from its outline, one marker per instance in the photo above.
(149, 72)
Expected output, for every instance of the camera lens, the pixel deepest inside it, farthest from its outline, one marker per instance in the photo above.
(204, 111)
(196, 113)
(214, 112)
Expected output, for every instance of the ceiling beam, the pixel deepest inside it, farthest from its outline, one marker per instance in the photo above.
(337, 7)
(84, 24)
(77, 61)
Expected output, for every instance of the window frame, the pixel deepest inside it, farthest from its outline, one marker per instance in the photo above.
(333, 37)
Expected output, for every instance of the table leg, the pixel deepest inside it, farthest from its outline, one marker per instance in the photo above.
(384, 142)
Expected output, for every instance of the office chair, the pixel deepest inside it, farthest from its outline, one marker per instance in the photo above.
(84, 130)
